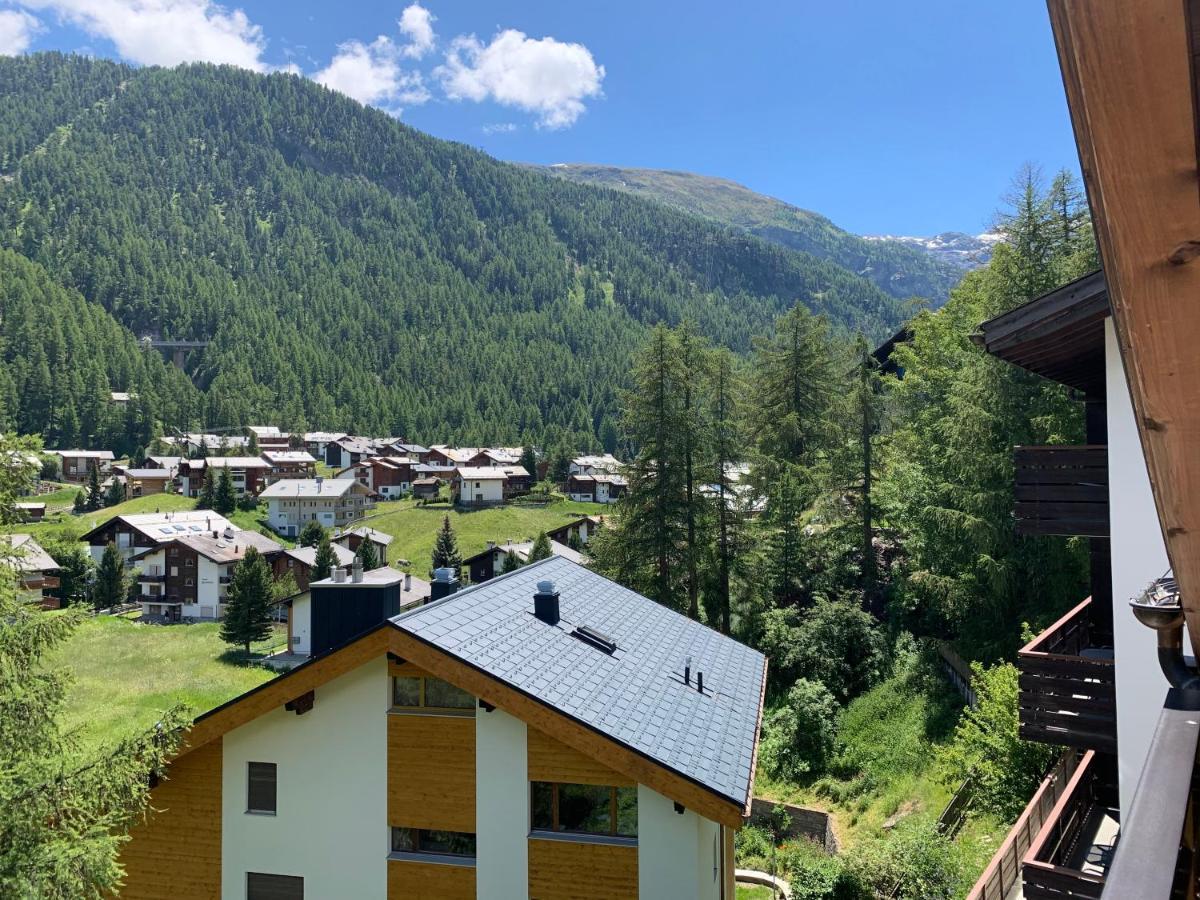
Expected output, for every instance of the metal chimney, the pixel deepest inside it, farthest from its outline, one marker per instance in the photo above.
(339, 574)
(445, 583)
(408, 581)
(545, 602)
(357, 571)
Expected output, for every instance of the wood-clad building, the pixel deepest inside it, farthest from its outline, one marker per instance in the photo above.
(420, 757)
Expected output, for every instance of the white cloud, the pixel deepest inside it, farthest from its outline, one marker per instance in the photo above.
(166, 32)
(17, 29)
(371, 73)
(500, 128)
(416, 23)
(546, 76)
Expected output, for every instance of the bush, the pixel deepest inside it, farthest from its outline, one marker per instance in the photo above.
(51, 468)
(816, 875)
(915, 858)
(798, 737)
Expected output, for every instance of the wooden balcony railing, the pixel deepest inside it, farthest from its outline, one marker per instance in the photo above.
(1062, 490)
(1067, 685)
(1063, 862)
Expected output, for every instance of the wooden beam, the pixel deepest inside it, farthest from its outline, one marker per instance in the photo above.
(575, 734)
(1127, 69)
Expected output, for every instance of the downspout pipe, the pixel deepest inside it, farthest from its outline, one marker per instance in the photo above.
(1159, 607)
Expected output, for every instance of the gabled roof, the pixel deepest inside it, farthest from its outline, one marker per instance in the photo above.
(308, 555)
(166, 526)
(85, 454)
(234, 462)
(323, 437)
(522, 550)
(226, 548)
(310, 488)
(288, 456)
(481, 473)
(636, 696)
(411, 448)
(29, 555)
(379, 537)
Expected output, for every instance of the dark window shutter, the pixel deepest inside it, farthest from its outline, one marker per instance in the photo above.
(274, 887)
(260, 793)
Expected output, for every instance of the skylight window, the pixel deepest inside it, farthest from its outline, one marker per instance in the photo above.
(597, 639)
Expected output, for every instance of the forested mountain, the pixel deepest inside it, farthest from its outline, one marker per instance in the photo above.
(901, 269)
(352, 273)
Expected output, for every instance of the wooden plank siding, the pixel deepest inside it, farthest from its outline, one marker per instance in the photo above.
(552, 760)
(176, 851)
(573, 870)
(1061, 490)
(431, 772)
(1045, 873)
(408, 880)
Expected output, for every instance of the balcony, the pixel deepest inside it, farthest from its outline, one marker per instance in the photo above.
(1067, 685)
(1062, 490)
(152, 575)
(1070, 855)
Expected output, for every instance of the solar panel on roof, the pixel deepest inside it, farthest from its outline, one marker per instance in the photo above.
(181, 528)
(166, 530)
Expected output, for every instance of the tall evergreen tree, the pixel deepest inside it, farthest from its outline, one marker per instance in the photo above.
(445, 548)
(207, 496)
(540, 549)
(367, 555)
(115, 493)
(529, 463)
(784, 508)
(248, 608)
(111, 586)
(725, 451)
(511, 563)
(693, 439)
(225, 500)
(325, 560)
(95, 494)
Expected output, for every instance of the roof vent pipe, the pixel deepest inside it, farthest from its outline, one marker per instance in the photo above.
(545, 602)
(700, 682)
(1159, 607)
(687, 671)
(339, 574)
(356, 572)
(408, 581)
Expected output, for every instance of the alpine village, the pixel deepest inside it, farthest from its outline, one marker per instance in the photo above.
(384, 520)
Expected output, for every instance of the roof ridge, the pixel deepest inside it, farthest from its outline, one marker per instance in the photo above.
(475, 587)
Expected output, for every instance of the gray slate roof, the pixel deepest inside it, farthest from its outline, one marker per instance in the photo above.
(637, 695)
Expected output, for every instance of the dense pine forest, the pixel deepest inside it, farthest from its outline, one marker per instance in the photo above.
(348, 271)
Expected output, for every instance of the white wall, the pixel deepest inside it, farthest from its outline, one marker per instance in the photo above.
(501, 806)
(331, 826)
(301, 617)
(1138, 557)
(676, 852)
(490, 490)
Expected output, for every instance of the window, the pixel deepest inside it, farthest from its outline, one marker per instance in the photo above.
(443, 843)
(189, 562)
(584, 809)
(189, 582)
(273, 887)
(429, 693)
(260, 788)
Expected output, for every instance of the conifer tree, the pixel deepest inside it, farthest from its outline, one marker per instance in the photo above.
(252, 445)
(95, 495)
(368, 555)
(225, 500)
(115, 493)
(445, 548)
(529, 463)
(248, 609)
(541, 548)
(207, 497)
(325, 559)
(311, 533)
(725, 450)
(80, 504)
(511, 563)
(784, 507)
(111, 586)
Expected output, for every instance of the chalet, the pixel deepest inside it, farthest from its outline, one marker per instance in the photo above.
(459, 457)
(140, 482)
(605, 464)
(315, 442)
(36, 570)
(30, 512)
(121, 397)
(388, 476)
(136, 532)
(408, 592)
(300, 561)
(489, 563)
(289, 464)
(348, 451)
(479, 486)
(489, 771)
(268, 437)
(170, 463)
(517, 480)
(334, 502)
(581, 530)
(199, 444)
(353, 538)
(598, 488)
(187, 577)
(77, 465)
(247, 473)
(414, 451)
(426, 488)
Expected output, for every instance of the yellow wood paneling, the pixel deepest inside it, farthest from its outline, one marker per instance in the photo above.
(176, 852)
(565, 870)
(406, 670)
(428, 881)
(431, 772)
(552, 760)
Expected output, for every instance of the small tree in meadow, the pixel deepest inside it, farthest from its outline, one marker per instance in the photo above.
(225, 500)
(111, 586)
(248, 609)
(445, 548)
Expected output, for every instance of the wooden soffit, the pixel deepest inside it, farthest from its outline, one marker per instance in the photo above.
(1128, 69)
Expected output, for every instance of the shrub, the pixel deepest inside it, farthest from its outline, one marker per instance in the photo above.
(915, 861)
(816, 875)
(798, 737)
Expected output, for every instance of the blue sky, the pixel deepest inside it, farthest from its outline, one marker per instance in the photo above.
(887, 117)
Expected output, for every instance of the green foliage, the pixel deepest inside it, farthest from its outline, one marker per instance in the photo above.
(63, 811)
(248, 608)
(115, 493)
(914, 862)
(95, 496)
(511, 563)
(325, 558)
(311, 534)
(987, 743)
(406, 248)
(111, 585)
(206, 497)
(79, 505)
(225, 500)
(285, 586)
(445, 549)
(540, 549)
(798, 735)
(74, 572)
(367, 555)
(528, 462)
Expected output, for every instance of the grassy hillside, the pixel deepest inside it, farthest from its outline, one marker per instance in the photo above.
(347, 271)
(901, 271)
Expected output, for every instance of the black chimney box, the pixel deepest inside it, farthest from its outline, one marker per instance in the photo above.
(445, 583)
(545, 602)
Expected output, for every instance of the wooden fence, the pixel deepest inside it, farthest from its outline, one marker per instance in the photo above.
(1004, 870)
(958, 671)
(955, 813)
